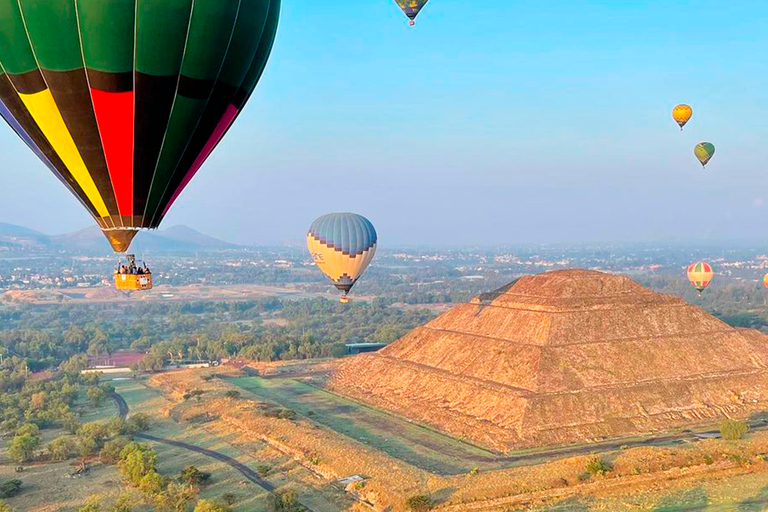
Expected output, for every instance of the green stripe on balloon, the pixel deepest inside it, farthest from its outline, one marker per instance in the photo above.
(107, 28)
(15, 52)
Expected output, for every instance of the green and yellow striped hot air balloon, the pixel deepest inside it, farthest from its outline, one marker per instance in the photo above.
(704, 151)
(125, 99)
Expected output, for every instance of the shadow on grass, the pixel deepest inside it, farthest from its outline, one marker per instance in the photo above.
(693, 500)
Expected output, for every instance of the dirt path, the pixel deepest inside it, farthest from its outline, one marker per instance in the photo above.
(244, 470)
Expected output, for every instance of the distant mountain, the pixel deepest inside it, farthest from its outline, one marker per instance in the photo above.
(188, 235)
(13, 236)
(91, 239)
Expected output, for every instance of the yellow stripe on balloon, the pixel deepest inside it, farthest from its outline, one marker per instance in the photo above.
(335, 264)
(44, 111)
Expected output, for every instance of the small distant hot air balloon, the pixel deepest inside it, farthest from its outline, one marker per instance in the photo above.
(411, 8)
(700, 274)
(342, 245)
(682, 114)
(704, 151)
(765, 280)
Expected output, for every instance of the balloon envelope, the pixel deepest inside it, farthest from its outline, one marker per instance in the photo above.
(342, 245)
(682, 114)
(411, 8)
(125, 99)
(704, 151)
(700, 274)
(765, 280)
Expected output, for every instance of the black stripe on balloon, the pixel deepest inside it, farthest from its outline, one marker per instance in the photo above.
(73, 98)
(195, 88)
(110, 82)
(30, 82)
(21, 114)
(153, 103)
(217, 105)
(240, 98)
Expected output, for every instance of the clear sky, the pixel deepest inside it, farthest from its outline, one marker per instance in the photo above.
(489, 122)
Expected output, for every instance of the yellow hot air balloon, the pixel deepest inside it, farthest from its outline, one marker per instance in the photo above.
(700, 274)
(682, 114)
(765, 280)
(342, 245)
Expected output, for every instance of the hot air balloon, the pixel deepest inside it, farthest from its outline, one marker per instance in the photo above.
(411, 8)
(700, 274)
(682, 114)
(765, 280)
(342, 245)
(704, 151)
(123, 100)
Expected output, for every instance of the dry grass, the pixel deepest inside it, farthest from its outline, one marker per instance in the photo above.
(390, 481)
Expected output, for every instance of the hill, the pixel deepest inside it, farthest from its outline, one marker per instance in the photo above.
(565, 357)
(177, 238)
(13, 236)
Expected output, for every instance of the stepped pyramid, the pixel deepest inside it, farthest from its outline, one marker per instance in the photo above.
(565, 357)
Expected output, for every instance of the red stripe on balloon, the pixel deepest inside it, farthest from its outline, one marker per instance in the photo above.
(221, 128)
(114, 115)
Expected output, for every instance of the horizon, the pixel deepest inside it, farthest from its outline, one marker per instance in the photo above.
(506, 124)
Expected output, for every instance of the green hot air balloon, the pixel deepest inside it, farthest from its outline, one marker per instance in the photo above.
(125, 99)
(704, 151)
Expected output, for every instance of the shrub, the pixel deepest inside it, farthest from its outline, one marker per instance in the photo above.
(285, 502)
(733, 430)
(286, 414)
(110, 453)
(420, 503)
(232, 393)
(5, 508)
(10, 488)
(263, 470)
(138, 423)
(475, 470)
(193, 476)
(598, 467)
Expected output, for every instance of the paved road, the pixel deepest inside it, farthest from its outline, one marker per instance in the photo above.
(251, 475)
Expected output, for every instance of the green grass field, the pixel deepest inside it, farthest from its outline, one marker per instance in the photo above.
(398, 437)
(49, 487)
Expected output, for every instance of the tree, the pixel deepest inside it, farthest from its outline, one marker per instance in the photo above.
(175, 498)
(193, 476)
(7, 508)
(61, 448)
(733, 430)
(152, 484)
(96, 395)
(23, 447)
(286, 501)
(138, 423)
(207, 506)
(110, 453)
(136, 461)
(75, 364)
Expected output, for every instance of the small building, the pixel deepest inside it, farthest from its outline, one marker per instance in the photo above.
(359, 348)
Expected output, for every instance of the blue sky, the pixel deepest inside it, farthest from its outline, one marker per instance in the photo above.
(501, 123)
